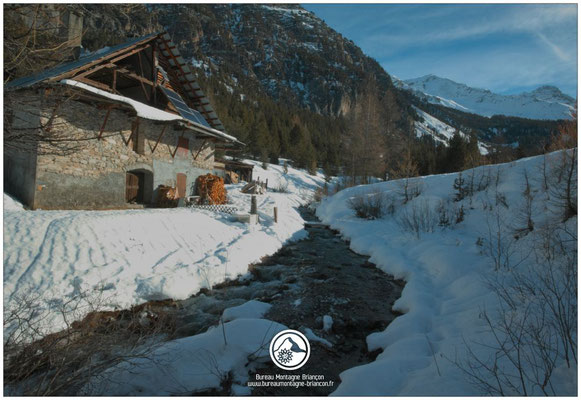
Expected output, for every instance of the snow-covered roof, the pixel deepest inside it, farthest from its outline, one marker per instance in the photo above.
(142, 110)
(151, 113)
(210, 131)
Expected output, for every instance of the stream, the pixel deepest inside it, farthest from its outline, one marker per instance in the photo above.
(303, 282)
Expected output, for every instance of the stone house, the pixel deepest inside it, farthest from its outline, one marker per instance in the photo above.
(107, 130)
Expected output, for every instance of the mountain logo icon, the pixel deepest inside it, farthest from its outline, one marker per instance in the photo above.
(289, 349)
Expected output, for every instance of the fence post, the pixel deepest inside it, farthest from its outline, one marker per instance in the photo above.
(275, 214)
(253, 206)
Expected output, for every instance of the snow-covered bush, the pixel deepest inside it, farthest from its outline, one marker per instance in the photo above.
(282, 187)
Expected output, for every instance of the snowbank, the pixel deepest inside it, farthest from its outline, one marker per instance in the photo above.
(132, 256)
(191, 364)
(445, 273)
(250, 309)
(11, 204)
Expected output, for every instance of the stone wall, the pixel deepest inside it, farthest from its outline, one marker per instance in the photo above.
(93, 173)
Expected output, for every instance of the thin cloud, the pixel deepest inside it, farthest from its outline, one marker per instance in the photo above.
(512, 20)
(556, 49)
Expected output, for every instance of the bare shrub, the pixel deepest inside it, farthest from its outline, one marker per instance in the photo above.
(444, 214)
(484, 180)
(470, 182)
(499, 242)
(409, 188)
(321, 193)
(524, 217)
(371, 205)
(534, 329)
(417, 218)
(449, 214)
(516, 348)
(61, 363)
(498, 177)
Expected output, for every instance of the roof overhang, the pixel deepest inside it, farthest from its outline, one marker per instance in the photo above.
(204, 131)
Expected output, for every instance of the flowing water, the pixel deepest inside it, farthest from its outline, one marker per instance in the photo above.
(305, 281)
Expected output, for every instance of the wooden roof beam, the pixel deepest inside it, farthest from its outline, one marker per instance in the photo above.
(106, 60)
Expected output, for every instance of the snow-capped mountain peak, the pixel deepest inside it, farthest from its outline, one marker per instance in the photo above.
(545, 102)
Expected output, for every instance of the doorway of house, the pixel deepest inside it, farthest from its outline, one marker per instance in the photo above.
(138, 186)
(181, 185)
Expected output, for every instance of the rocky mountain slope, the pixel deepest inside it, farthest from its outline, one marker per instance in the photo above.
(546, 102)
(287, 84)
(286, 51)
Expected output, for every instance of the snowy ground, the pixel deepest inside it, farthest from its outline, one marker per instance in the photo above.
(141, 255)
(121, 258)
(193, 364)
(446, 270)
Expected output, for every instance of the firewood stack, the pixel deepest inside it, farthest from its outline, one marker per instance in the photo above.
(211, 189)
(166, 197)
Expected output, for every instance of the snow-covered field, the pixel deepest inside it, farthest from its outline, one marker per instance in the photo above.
(122, 258)
(446, 269)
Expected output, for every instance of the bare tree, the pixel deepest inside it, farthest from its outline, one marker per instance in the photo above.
(366, 136)
(563, 189)
(36, 37)
(405, 169)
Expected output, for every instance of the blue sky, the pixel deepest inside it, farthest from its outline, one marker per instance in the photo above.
(507, 48)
